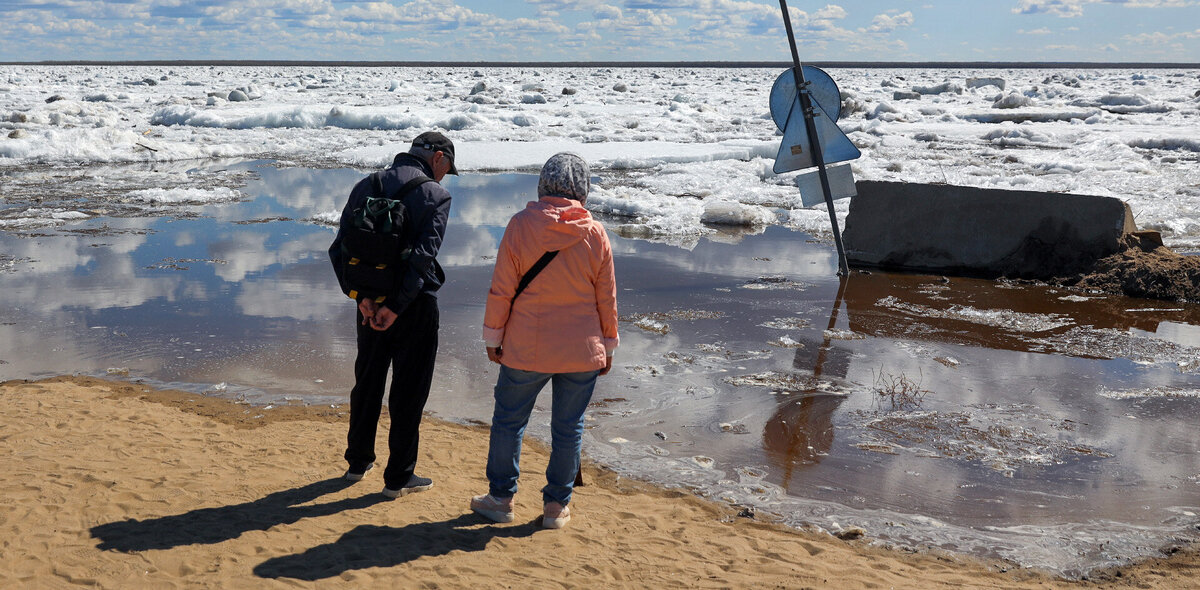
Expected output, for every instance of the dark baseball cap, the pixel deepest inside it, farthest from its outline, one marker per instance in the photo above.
(432, 141)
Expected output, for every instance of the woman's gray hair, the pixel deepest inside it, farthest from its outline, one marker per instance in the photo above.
(565, 175)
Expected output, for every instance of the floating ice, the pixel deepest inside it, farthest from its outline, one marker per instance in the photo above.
(1000, 318)
(1013, 101)
(842, 335)
(1167, 143)
(650, 325)
(1148, 392)
(944, 87)
(184, 196)
(675, 149)
(982, 82)
(789, 323)
(1086, 341)
(1029, 116)
(327, 218)
(1005, 442)
(785, 341)
(774, 282)
(38, 217)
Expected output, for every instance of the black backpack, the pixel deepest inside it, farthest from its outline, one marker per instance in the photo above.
(375, 244)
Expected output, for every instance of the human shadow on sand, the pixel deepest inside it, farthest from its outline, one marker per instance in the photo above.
(214, 525)
(368, 546)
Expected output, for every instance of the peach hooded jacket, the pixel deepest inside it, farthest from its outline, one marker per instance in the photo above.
(565, 321)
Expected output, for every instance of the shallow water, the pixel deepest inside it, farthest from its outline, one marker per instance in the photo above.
(1051, 428)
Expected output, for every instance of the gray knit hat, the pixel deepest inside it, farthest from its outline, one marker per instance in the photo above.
(565, 175)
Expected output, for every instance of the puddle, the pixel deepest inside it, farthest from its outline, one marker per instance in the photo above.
(1055, 429)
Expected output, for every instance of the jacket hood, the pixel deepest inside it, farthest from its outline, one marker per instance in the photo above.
(558, 222)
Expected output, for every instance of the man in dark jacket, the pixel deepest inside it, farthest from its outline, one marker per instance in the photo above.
(402, 331)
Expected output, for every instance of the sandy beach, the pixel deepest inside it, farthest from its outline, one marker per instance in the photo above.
(113, 485)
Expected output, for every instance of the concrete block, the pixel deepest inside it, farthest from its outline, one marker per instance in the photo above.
(974, 231)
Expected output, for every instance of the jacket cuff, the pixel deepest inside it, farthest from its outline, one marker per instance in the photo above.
(396, 304)
(493, 337)
(610, 345)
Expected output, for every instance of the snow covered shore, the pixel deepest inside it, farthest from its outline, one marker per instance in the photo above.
(676, 148)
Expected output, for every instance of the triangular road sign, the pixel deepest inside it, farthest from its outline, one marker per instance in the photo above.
(795, 153)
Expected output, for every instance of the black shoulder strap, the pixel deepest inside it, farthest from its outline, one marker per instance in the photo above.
(533, 272)
(377, 183)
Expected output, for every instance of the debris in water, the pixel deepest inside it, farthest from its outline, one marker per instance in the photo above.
(843, 335)
(774, 282)
(785, 342)
(1000, 318)
(994, 440)
(654, 326)
(678, 359)
(1148, 392)
(734, 428)
(775, 380)
(675, 314)
(900, 391)
(791, 323)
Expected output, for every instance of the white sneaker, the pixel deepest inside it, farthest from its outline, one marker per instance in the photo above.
(493, 508)
(555, 515)
(352, 475)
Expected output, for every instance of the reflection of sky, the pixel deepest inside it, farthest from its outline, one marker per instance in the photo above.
(206, 299)
(1178, 333)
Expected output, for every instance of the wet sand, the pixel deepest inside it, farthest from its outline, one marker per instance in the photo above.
(114, 485)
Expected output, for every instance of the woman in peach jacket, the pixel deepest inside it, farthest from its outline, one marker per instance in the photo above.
(562, 329)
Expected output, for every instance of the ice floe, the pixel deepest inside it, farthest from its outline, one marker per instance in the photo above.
(677, 150)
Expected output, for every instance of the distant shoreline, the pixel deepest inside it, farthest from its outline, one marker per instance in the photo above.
(639, 64)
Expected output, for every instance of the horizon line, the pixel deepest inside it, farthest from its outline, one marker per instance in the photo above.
(618, 64)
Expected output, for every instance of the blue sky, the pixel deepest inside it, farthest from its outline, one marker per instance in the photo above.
(600, 30)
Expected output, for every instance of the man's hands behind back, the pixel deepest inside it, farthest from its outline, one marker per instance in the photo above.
(377, 316)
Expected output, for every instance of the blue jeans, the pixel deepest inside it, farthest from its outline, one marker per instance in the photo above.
(516, 391)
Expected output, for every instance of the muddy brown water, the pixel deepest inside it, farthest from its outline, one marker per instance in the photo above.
(1049, 427)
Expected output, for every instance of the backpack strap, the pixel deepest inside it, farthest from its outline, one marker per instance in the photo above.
(381, 203)
(377, 184)
(533, 272)
(414, 183)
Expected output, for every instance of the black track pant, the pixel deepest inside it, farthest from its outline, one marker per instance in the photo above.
(410, 348)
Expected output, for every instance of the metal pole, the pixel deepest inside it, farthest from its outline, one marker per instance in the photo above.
(833, 317)
(814, 142)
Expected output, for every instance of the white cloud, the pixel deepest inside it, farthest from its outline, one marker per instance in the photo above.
(532, 30)
(886, 23)
(607, 12)
(1063, 8)
(830, 12)
(1160, 38)
(1074, 8)
(1155, 3)
(556, 6)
